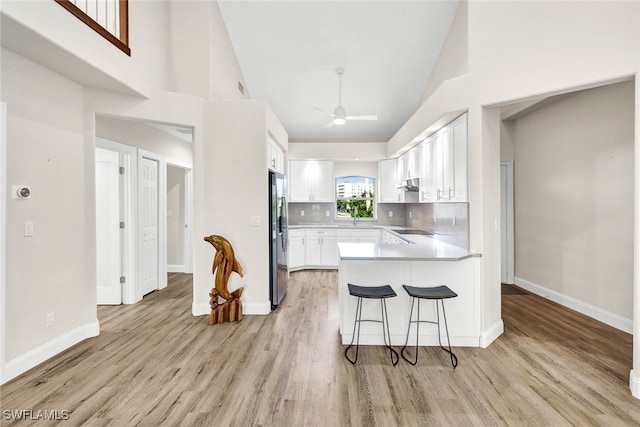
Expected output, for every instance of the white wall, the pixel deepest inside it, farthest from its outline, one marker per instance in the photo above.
(54, 270)
(140, 134)
(573, 198)
(344, 151)
(453, 59)
(236, 180)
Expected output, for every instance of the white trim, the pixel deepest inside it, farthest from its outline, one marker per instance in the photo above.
(175, 268)
(256, 308)
(200, 308)
(22, 364)
(634, 384)
(129, 198)
(510, 221)
(250, 309)
(3, 235)
(491, 334)
(604, 316)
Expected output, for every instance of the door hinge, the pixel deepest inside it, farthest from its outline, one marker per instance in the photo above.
(121, 169)
(121, 224)
(123, 279)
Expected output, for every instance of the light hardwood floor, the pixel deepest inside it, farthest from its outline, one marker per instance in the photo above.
(155, 364)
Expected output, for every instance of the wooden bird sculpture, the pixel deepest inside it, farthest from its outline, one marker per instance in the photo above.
(224, 263)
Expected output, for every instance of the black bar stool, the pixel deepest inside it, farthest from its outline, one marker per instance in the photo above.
(438, 293)
(372, 292)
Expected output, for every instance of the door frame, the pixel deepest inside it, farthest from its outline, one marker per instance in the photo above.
(509, 221)
(188, 212)
(162, 218)
(128, 210)
(3, 235)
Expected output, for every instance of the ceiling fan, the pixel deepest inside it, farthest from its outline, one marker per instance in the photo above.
(339, 114)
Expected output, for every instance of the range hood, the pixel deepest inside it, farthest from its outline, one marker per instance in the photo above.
(412, 184)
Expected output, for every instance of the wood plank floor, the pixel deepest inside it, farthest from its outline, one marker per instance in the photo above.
(155, 364)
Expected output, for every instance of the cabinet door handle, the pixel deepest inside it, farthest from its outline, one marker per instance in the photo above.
(438, 194)
(450, 190)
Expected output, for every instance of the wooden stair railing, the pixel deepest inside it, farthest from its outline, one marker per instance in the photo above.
(109, 18)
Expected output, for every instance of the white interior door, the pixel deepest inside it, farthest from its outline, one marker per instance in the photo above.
(108, 260)
(148, 224)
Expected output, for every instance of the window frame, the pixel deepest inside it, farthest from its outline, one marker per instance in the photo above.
(372, 198)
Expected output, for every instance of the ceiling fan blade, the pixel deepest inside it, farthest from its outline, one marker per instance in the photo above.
(364, 117)
(324, 111)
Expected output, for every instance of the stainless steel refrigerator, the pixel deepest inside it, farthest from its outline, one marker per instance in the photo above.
(278, 238)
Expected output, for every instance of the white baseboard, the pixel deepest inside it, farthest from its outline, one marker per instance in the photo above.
(490, 335)
(634, 384)
(611, 319)
(257, 308)
(33, 358)
(175, 269)
(200, 309)
(248, 308)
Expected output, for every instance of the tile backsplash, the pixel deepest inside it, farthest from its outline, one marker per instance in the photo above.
(451, 219)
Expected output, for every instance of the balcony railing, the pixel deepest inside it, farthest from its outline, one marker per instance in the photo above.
(109, 18)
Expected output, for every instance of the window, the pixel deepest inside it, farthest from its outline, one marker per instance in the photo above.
(355, 197)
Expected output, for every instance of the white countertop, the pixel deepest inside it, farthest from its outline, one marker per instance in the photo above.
(426, 248)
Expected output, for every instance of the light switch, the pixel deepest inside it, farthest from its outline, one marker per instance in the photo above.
(28, 228)
(169, 214)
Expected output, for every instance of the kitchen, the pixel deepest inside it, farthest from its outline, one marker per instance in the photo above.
(472, 75)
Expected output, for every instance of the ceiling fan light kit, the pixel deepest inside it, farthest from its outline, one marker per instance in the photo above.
(339, 114)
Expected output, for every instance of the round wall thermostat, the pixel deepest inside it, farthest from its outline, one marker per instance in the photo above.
(24, 192)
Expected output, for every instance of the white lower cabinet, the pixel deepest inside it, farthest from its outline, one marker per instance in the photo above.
(321, 249)
(296, 249)
(318, 247)
(353, 235)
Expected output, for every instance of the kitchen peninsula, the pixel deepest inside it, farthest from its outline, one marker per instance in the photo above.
(430, 261)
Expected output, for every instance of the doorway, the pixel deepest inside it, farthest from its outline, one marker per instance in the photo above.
(178, 225)
(506, 223)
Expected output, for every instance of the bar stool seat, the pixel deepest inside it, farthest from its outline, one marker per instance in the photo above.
(437, 293)
(372, 292)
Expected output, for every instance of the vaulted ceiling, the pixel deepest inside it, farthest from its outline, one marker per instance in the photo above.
(289, 52)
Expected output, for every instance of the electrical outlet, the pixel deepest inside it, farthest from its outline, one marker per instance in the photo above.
(49, 319)
(409, 214)
(326, 213)
(390, 214)
(302, 213)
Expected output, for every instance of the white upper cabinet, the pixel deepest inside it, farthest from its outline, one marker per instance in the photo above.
(459, 141)
(387, 182)
(444, 164)
(428, 178)
(275, 159)
(311, 181)
(409, 165)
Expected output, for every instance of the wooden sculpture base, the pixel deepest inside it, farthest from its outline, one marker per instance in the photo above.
(228, 311)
